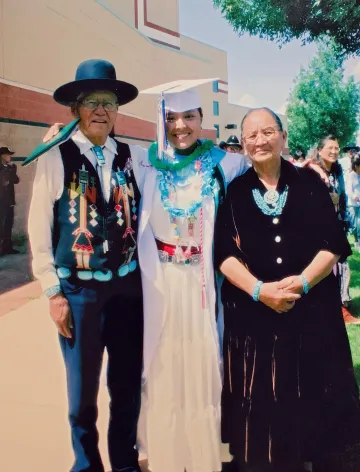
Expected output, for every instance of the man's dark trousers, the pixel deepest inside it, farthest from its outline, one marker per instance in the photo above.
(103, 317)
(6, 226)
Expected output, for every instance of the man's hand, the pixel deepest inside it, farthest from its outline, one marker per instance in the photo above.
(275, 297)
(61, 314)
(53, 131)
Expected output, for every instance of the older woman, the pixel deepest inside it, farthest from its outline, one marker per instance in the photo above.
(289, 395)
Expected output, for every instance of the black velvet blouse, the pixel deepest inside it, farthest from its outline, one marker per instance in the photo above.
(273, 248)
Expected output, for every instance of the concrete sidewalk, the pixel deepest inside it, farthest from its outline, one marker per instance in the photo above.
(34, 432)
(15, 270)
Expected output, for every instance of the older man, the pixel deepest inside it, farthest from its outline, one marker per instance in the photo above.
(83, 228)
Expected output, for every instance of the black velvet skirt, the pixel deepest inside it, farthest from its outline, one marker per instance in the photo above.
(289, 394)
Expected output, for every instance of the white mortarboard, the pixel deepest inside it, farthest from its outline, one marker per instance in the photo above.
(178, 96)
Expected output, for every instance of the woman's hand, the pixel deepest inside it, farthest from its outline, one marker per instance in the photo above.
(53, 131)
(292, 284)
(275, 297)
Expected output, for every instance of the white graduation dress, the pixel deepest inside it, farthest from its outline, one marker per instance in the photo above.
(180, 417)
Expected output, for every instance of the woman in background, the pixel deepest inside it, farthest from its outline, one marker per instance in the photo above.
(328, 154)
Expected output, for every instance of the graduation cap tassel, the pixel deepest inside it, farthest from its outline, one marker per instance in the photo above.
(162, 140)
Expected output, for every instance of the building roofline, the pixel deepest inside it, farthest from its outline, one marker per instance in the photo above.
(106, 7)
(203, 42)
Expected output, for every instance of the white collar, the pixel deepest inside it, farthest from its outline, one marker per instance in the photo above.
(85, 145)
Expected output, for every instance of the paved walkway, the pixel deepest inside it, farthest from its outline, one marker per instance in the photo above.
(34, 432)
(15, 270)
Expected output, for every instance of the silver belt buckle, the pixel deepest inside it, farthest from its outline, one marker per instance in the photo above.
(195, 259)
(163, 256)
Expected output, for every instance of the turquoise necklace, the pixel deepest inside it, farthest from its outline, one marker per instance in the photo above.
(168, 183)
(272, 203)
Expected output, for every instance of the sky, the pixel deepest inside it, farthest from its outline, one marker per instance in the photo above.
(260, 74)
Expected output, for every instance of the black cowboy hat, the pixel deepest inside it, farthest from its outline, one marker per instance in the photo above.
(299, 153)
(95, 74)
(351, 146)
(233, 141)
(222, 145)
(6, 150)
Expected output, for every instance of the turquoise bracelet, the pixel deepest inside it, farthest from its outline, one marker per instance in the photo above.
(52, 291)
(256, 291)
(305, 284)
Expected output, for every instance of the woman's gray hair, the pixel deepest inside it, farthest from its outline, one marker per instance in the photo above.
(272, 113)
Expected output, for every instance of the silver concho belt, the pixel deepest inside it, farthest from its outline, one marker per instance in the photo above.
(165, 257)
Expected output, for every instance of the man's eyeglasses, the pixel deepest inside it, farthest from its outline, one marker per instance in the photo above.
(92, 104)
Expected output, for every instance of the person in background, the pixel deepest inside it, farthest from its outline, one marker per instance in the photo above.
(233, 145)
(328, 155)
(346, 161)
(353, 194)
(8, 179)
(299, 158)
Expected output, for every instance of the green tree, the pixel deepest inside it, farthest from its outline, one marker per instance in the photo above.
(308, 20)
(322, 102)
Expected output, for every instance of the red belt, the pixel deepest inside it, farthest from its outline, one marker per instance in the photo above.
(171, 248)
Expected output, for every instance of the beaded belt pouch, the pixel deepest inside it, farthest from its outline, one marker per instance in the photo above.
(183, 255)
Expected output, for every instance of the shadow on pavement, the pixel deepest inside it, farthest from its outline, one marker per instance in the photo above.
(15, 270)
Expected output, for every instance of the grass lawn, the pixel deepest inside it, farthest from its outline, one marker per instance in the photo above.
(354, 330)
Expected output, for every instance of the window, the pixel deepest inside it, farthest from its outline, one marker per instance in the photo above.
(216, 108)
(217, 127)
(216, 86)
